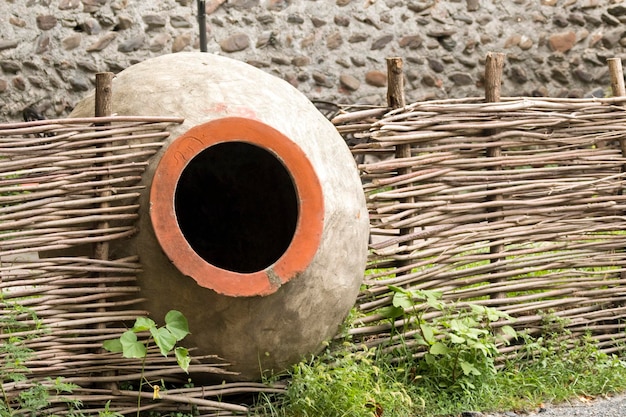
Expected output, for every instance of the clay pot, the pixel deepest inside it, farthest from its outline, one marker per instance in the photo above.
(253, 220)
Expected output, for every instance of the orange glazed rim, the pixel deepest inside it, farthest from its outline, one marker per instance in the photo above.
(308, 231)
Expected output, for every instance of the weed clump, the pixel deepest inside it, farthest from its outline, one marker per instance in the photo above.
(449, 361)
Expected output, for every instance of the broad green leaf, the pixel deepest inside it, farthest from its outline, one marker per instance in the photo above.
(113, 345)
(182, 357)
(164, 339)
(493, 314)
(176, 323)
(456, 339)
(433, 299)
(428, 332)
(401, 299)
(142, 324)
(420, 340)
(390, 312)
(477, 309)
(131, 347)
(470, 323)
(471, 331)
(435, 303)
(509, 331)
(484, 349)
(458, 325)
(433, 294)
(439, 349)
(468, 368)
(418, 294)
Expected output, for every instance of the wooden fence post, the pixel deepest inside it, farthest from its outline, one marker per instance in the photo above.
(617, 77)
(493, 82)
(616, 74)
(396, 100)
(395, 83)
(103, 108)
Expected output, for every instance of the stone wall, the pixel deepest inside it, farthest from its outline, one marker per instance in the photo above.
(332, 50)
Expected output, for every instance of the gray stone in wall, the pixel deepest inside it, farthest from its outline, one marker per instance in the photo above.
(19, 83)
(235, 43)
(322, 80)
(90, 26)
(300, 61)
(436, 65)
(42, 44)
(71, 42)
(154, 21)
(349, 82)
(358, 37)
(181, 42)
(410, 41)
(124, 22)
(91, 6)
(180, 22)
(317, 22)
(381, 42)
(132, 44)
(461, 78)
(37, 82)
(10, 67)
(334, 41)
(518, 74)
(10, 44)
(80, 83)
(357, 61)
(46, 22)
(159, 41)
(376, 78)
(102, 42)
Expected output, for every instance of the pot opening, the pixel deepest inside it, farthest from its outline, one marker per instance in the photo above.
(237, 206)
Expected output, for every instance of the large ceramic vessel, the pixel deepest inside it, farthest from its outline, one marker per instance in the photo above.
(253, 221)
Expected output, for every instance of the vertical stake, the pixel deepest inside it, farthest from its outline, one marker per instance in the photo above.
(104, 100)
(103, 108)
(617, 88)
(395, 83)
(396, 100)
(493, 82)
(493, 76)
(617, 77)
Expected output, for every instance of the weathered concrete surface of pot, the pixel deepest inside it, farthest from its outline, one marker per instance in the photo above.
(253, 221)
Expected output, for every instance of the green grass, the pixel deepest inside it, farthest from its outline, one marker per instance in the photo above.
(348, 381)
(342, 383)
(554, 377)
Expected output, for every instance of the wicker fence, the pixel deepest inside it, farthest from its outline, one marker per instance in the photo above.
(517, 205)
(69, 188)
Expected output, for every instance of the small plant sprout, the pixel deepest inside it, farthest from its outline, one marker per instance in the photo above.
(164, 337)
